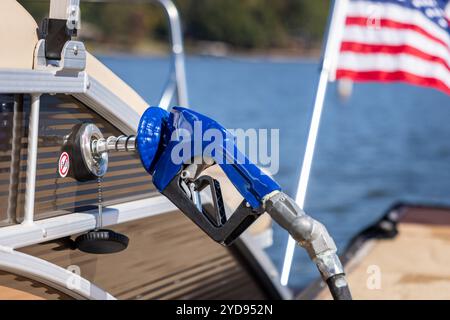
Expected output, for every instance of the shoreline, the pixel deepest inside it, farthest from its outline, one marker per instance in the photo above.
(209, 50)
(261, 56)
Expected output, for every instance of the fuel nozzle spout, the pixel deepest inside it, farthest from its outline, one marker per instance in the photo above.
(121, 143)
(313, 237)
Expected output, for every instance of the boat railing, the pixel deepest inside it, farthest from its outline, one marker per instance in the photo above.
(84, 88)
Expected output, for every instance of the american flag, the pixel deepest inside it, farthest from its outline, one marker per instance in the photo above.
(397, 40)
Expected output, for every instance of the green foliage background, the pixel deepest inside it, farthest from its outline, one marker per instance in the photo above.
(244, 24)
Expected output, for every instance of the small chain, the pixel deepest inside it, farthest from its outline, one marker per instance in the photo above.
(100, 205)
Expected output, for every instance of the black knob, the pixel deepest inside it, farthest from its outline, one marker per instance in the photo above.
(102, 241)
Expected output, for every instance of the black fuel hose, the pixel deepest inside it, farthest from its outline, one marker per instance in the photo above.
(339, 287)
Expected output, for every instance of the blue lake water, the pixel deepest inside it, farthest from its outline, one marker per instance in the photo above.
(388, 143)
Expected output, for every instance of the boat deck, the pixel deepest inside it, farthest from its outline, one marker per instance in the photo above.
(404, 256)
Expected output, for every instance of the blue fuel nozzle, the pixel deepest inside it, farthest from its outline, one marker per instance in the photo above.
(171, 144)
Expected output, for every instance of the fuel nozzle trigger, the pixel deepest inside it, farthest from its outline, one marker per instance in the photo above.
(216, 211)
(210, 215)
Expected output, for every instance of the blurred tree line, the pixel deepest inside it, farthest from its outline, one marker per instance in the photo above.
(247, 24)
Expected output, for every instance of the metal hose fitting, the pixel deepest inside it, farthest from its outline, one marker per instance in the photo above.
(313, 237)
(121, 143)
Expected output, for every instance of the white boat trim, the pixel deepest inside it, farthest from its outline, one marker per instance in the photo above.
(50, 274)
(40, 81)
(83, 87)
(22, 235)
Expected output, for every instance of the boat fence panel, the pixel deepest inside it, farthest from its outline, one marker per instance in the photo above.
(125, 180)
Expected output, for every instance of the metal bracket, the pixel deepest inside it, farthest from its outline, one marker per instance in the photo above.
(73, 58)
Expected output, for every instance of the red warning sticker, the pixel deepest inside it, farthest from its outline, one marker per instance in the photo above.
(63, 164)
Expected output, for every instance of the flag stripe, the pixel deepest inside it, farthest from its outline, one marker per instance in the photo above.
(393, 76)
(395, 37)
(432, 10)
(387, 23)
(398, 49)
(389, 63)
(396, 12)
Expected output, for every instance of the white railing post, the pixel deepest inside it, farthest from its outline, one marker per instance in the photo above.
(33, 137)
(177, 49)
(329, 61)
